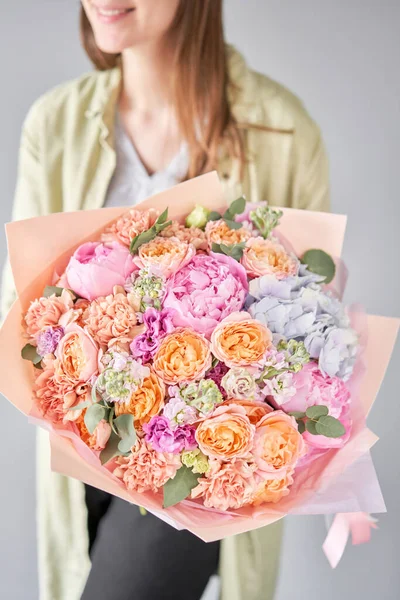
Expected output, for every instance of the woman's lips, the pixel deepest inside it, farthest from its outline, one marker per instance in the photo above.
(111, 15)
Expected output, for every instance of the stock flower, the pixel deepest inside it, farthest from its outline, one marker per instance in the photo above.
(48, 340)
(164, 256)
(121, 377)
(240, 383)
(129, 225)
(281, 388)
(178, 412)
(163, 438)
(99, 438)
(77, 355)
(158, 324)
(195, 460)
(240, 341)
(146, 290)
(255, 409)
(202, 396)
(183, 356)
(190, 235)
(268, 257)
(273, 490)
(226, 434)
(207, 290)
(46, 312)
(218, 232)
(277, 444)
(216, 374)
(226, 485)
(146, 469)
(144, 403)
(95, 268)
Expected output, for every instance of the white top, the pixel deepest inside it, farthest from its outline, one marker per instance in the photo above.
(131, 183)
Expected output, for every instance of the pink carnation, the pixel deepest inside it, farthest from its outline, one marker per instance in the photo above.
(52, 397)
(46, 312)
(191, 235)
(207, 290)
(146, 469)
(227, 485)
(129, 225)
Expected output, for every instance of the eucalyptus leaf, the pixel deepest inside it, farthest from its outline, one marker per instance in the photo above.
(111, 450)
(29, 352)
(216, 248)
(330, 427)
(233, 224)
(126, 431)
(321, 263)
(315, 412)
(301, 426)
(311, 427)
(93, 415)
(214, 216)
(179, 488)
(237, 206)
(297, 415)
(80, 406)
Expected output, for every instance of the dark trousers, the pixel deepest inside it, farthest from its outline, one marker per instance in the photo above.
(136, 557)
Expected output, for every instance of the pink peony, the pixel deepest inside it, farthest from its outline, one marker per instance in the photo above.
(146, 469)
(268, 257)
(207, 290)
(313, 388)
(47, 312)
(129, 225)
(227, 485)
(96, 268)
(164, 256)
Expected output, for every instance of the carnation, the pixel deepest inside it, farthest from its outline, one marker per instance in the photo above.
(191, 235)
(166, 439)
(158, 324)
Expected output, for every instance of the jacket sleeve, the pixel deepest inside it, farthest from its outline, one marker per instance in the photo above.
(28, 193)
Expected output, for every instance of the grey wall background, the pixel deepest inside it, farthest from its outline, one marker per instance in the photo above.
(342, 59)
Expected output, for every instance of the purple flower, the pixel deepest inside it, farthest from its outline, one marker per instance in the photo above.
(216, 374)
(164, 439)
(48, 340)
(158, 324)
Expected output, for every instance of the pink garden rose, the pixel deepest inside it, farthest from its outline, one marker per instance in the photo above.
(77, 355)
(96, 268)
(164, 256)
(268, 257)
(207, 290)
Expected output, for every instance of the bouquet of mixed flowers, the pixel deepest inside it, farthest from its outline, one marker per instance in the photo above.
(197, 359)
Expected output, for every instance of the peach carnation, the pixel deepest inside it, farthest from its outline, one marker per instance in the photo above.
(146, 402)
(46, 312)
(218, 232)
(226, 485)
(190, 235)
(240, 341)
(164, 256)
(129, 225)
(227, 434)
(111, 318)
(183, 356)
(268, 257)
(273, 490)
(146, 469)
(51, 396)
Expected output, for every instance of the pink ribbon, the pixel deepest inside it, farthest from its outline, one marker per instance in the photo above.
(358, 524)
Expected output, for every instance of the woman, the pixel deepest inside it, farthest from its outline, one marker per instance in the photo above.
(169, 100)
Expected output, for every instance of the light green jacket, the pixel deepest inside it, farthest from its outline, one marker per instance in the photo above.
(66, 162)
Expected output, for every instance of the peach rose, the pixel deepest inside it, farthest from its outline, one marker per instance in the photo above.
(278, 444)
(129, 225)
(99, 438)
(146, 402)
(51, 395)
(146, 469)
(227, 434)
(183, 356)
(218, 232)
(46, 312)
(240, 341)
(190, 235)
(112, 318)
(164, 256)
(226, 485)
(268, 257)
(273, 490)
(77, 356)
(255, 410)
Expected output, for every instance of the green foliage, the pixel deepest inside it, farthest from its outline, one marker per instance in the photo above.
(234, 250)
(126, 431)
(317, 411)
(111, 450)
(319, 262)
(29, 352)
(179, 488)
(330, 427)
(93, 415)
(147, 236)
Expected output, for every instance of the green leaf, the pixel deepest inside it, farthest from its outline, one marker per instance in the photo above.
(94, 414)
(330, 427)
(311, 427)
(163, 217)
(237, 206)
(214, 216)
(315, 412)
(233, 224)
(179, 488)
(301, 426)
(49, 290)
(159, 227)
(297, 415)
(111, 450)
(321, 263)
(80, 406)
(126, 431)
(216, 248)
(29, 352)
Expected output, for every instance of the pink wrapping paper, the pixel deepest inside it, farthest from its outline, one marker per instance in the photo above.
(318, 487)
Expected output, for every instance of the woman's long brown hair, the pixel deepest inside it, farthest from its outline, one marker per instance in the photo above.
(200, 82)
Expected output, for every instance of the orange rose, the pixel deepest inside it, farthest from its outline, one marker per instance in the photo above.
(240, 341)
(218, 232)
(267, 257)
(77, 355)
(146, 402)
(273, 490)
(255, 410)
(164, 256)
(278, 444)
(183, 356)
(227, 434)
